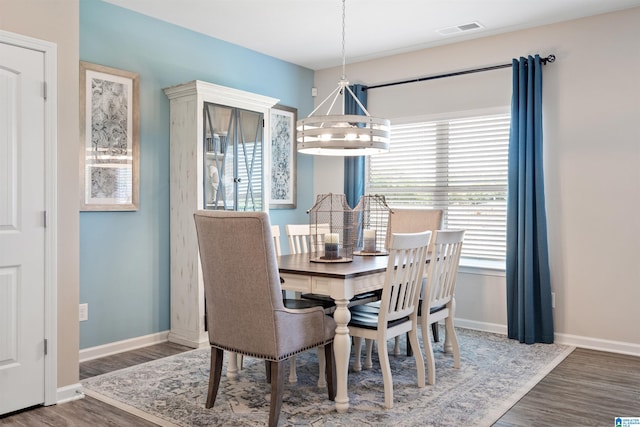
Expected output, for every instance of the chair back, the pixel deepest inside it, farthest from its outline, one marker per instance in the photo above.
(275, 232)
(413, 220)
(241, 281)
(302, 237)
(442, 272)
(403, 279)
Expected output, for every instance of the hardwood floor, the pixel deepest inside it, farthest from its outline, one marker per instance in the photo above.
(589, 388)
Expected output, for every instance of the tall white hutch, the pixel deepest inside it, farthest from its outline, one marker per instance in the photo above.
(218, 155)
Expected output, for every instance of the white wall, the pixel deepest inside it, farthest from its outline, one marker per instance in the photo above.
(592, 162)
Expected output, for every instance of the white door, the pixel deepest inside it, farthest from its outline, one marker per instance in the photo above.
(22, 232)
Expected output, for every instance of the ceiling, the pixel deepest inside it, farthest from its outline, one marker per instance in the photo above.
(309, 32)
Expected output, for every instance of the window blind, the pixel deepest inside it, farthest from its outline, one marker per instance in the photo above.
(457, 165)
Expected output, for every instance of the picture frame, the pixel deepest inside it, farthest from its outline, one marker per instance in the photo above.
(283, 157)
(109, 138)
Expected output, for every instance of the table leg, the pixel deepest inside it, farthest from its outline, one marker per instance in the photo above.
(342, 349)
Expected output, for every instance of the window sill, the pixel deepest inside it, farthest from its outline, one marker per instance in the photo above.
(482, 267)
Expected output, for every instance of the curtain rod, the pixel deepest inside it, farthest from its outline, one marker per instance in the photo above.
(551, 58)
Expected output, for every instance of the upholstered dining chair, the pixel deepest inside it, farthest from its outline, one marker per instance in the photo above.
(413, 220)
(239, 267)
(438, 296)
(397, 311)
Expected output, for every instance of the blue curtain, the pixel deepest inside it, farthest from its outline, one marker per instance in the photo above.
(529, 315)
(354, 165)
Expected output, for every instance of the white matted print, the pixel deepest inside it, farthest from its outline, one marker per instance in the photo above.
(109, 123)
(283, 157)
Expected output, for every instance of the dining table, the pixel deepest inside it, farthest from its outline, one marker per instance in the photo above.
(341, 281)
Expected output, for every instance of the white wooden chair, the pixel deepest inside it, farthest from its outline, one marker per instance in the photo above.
(413, 220)
(438, 299)
(397, 311)
(302, 237)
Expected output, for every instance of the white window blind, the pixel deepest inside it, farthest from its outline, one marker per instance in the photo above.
(458, 165)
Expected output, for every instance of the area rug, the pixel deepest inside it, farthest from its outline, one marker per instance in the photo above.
(495, 373)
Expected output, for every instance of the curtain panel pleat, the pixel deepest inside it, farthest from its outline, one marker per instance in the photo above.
(529, 309)
(354, 165)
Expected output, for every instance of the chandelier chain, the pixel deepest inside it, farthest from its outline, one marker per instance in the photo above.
(344, 74)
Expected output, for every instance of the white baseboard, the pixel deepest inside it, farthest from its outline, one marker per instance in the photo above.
(598, 344)
(560, 338)
(121, 346)
(481, 326)
(68, 393)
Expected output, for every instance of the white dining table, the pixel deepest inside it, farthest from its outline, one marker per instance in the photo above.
(341, 281)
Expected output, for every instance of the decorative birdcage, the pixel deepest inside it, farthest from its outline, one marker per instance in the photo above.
(372, 219)
(331, 227)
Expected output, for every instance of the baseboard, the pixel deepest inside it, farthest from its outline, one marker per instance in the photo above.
(560, 338)
(68, 393)
(121, 346)
(481, 326)
(598, 344)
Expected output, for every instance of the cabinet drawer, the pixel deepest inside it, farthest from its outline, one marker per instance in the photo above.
(295, 282)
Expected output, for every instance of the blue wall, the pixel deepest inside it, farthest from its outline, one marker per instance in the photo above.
(124, 256)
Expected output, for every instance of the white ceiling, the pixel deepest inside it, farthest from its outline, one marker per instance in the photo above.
(309, 32)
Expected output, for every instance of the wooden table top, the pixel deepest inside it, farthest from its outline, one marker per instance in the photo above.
(359, 266)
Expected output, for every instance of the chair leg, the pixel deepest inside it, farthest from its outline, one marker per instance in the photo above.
(409, 348)
(413, 341)
(396, 346)
(277, 386)
(357, 347)
(214, 376)
(267, 368)
(322, 367)
(293, 376)
(450, 336)
(435, 331)
(385, 367)
(428, 351)
(368, 345)
(330, 371)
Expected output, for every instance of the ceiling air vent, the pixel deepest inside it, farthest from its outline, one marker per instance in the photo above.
(459, 28)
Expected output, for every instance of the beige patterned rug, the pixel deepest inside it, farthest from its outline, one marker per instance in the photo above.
(495, 373)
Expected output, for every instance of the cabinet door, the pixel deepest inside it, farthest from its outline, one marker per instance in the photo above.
(233, 158)
(249, 160)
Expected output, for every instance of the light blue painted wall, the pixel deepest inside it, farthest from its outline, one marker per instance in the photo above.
(124, 256)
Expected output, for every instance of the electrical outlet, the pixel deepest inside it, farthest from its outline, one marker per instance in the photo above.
(84, 312)
(553, 300)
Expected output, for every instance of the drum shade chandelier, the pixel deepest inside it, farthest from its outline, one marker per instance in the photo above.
(342, 134)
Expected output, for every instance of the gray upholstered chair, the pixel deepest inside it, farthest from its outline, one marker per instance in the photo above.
(245, 312)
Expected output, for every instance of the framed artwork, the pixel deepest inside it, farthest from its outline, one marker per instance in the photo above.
(283, 157)
(109, 138)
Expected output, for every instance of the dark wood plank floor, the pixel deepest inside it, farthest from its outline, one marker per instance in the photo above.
(589, 388)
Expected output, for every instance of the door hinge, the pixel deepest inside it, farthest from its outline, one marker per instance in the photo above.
(46, 342)
(44, 218)
(262, 122)
(44, 90)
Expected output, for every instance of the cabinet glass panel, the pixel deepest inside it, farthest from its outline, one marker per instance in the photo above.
(233, 158)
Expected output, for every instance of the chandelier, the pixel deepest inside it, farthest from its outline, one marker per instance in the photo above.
(342, 134)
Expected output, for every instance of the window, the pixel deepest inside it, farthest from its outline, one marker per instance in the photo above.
(458, 165)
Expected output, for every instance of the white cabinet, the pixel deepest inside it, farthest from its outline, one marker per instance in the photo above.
(219, 146)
